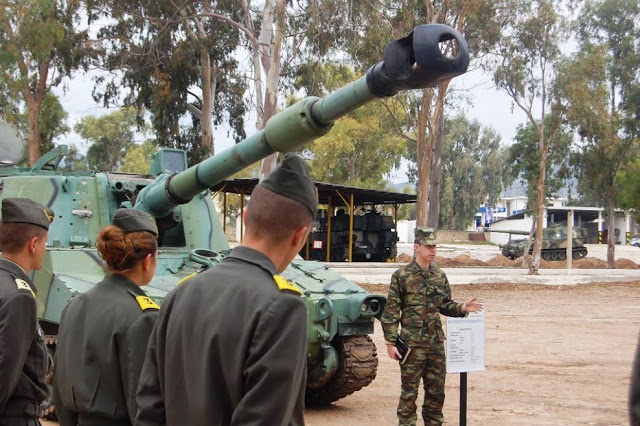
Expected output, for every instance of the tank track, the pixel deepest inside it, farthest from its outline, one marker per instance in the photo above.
(561, 254)
(358, 367)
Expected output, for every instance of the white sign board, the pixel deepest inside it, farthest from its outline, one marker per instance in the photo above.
(465, 343)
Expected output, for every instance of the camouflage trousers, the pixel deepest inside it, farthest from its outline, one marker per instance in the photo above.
(429, 365)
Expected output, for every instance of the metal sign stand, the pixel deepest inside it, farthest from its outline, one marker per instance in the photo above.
(463, 399)
(465, 351)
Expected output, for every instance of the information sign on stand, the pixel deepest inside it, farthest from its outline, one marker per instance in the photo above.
(465, 343)
(465, 351)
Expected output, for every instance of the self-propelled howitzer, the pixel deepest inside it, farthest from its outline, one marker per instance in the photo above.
(342, 358)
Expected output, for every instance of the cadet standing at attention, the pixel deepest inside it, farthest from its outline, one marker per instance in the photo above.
(24, 361)
(230, 345)
(419, 292)
(104, 332)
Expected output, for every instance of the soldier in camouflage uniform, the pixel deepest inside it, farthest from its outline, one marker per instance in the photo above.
(419, 292)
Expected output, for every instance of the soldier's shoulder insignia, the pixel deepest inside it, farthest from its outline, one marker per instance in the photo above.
(286, 285)
(23, 285)
(146, 302)
(188, 277)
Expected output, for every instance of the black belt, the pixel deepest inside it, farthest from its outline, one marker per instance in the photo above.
(22, 407)
(89, 419)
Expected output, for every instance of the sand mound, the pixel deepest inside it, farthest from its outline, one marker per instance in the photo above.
(626, 264)
(501, 261)
(403, 258)
(589, 263)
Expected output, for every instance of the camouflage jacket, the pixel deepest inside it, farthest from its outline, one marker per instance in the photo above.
(416, 299)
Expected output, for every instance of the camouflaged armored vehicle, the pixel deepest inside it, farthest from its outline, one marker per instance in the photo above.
(342, 358)
(554, 244)
(374, 238)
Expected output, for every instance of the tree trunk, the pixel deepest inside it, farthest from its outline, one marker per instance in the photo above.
(436, 175)
(206, 73)
(535, 264)
(424, 149)
(33, 133)
(611, 233)
(527, 258)
(271, 35)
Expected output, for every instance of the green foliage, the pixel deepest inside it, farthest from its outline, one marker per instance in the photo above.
(39, 46)
(137, 158)
(109, 137)
(53, 119)
(524, 159)
(162, 49)
(471, 171)
(597, 93)
(407, 211)
(629, 182)
(359, 151)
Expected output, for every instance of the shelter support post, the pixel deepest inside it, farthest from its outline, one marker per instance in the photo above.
(224, 213)
(569, 240)
(241, 216)
(329, 215)
(351, 227)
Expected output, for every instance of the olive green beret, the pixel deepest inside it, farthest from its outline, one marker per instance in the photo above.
(293, 180)
(132, 220)
(425, 236)
(24, 210)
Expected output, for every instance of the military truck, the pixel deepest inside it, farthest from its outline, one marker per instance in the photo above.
(342, 357)
(374, 238)
(554, 243)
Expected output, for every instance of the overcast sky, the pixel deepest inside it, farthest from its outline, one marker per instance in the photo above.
(489, 106)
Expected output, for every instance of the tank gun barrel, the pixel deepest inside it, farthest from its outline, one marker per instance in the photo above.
(429, 55)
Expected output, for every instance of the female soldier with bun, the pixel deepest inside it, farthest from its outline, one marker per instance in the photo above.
(104, 332)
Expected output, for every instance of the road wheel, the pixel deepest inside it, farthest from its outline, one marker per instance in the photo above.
(562, 255)
(546, 256)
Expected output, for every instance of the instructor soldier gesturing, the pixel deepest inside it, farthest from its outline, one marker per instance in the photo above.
(419, 292)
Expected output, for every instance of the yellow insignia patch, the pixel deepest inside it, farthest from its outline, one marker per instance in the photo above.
(146, 303)
(23, 285)
(187, 277)
(284, 284)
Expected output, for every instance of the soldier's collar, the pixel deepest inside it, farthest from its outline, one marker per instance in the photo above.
(125, 282)
(255, 257)
(16, 265)
(431, 268)
(13, 268)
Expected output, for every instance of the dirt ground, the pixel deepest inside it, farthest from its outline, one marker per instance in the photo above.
(555, 355)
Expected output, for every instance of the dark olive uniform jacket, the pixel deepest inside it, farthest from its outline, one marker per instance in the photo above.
(24, 361)
(101, 347)
(229, 348)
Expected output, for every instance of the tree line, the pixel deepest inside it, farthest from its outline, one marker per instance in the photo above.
(181, 68)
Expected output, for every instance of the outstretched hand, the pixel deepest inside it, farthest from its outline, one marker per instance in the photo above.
(471, 306)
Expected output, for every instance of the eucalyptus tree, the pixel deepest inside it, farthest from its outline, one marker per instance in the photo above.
(175, 60)
(109, 137)
(472, 160)
(362, 30)
(523, 65)
(523, 159)
(598, 93)
(40, 46)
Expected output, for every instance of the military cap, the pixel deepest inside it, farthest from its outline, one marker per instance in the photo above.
(425, 236)
(293, 180)
(132, 220)
(24, 210)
